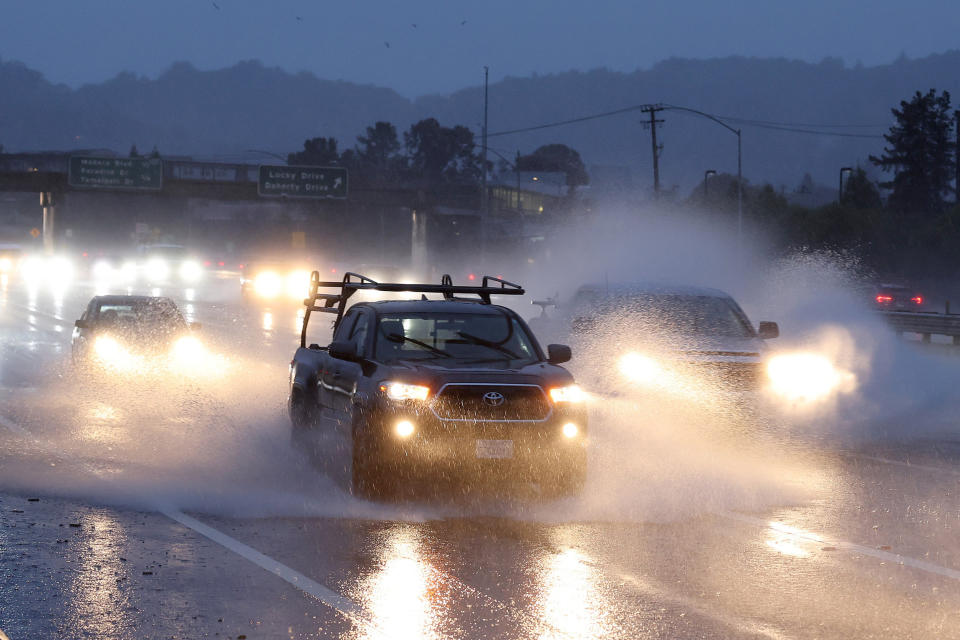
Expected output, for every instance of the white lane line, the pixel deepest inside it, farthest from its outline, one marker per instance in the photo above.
(905, 463)
(742, 626)
(332, 599)
(345, 606)
(785, 529)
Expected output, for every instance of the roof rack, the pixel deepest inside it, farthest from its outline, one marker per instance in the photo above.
(352, 282)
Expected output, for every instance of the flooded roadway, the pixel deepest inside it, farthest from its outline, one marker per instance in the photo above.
(180, 510)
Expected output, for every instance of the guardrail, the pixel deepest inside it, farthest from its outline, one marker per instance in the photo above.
(925, 323)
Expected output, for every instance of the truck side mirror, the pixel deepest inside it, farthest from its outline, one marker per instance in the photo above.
(768, 330)
(558, 353)
(343, 350)
(81, 324)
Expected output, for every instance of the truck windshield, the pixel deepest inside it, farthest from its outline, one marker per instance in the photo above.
(461, 338)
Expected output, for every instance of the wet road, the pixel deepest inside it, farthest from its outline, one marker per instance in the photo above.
(175, 508)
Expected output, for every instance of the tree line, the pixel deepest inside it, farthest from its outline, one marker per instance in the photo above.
(430, 156)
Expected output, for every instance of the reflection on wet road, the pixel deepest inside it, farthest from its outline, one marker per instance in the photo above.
(724, 536)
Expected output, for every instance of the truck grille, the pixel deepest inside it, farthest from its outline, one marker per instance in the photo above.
(491, 403)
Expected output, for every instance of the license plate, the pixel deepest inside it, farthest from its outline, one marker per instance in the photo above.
(497, 449)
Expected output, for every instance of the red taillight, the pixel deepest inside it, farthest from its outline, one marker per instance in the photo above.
(917, 299)
(240, 266)
(84, 254)
(220, 264)
(882, 299)
(206, 263)
(472, 277)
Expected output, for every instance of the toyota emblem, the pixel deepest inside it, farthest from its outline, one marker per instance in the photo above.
(493, 398)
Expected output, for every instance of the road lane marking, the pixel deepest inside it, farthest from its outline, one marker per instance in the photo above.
(785, 529)
(905, 463)
(311, 587)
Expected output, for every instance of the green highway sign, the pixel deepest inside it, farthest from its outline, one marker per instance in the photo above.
(302, 182)
(115, 173)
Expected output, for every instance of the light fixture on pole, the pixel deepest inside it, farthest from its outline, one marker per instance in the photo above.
(709, 173)
(840, 189)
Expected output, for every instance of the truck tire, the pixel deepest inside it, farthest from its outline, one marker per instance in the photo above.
(301, 413)
(368, 476)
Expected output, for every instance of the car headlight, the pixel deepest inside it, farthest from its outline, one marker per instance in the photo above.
(403, 391)
(267, 284)
(6, 265)
(639, 368)
(112, 354)
(188, 350)
(190, 271)
(157, 270)
(570, 393)
(806, 377)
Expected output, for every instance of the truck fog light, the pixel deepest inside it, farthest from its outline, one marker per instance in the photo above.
(570, 430)
(404, 428)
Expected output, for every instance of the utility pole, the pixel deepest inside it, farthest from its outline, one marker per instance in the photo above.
(484, 202)
(652, 109)
(956, 158)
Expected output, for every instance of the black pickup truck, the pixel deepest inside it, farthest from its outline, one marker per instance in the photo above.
(447, 386)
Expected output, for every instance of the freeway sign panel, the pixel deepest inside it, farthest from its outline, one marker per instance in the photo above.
(115, 173)
(302, 182)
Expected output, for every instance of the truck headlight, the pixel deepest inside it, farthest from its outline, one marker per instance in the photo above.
(571, 393)
(403, 391)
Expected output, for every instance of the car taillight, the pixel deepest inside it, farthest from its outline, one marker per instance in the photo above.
(472, 277)
(206, 263)
(220, 264)
(917, 299)
(882, 299)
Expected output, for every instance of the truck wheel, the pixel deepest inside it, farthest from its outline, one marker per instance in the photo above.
(368, 479)
(301, 414)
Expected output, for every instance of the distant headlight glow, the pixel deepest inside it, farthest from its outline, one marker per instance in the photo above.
(190, 271)
(571, 393)
(298, 284)
(570, 430)
(6, 265)
(268, 284)
(402, 391)
(157, 270)
(806, 377)
(102, 271)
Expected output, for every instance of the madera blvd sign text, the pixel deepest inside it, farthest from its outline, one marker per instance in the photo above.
(115, 173)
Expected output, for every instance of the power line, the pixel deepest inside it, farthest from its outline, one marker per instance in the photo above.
(789, 127)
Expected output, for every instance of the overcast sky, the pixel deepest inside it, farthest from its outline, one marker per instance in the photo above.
(77, 42)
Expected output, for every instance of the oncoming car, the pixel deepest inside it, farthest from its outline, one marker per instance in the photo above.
(695, 342)
(449, 386)
(169, 264)
(275, 281)
(136, 334)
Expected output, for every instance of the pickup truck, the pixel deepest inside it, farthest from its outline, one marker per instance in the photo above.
(448, 387)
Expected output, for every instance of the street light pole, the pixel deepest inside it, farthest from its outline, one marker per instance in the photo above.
(484, 203)
(739, 161)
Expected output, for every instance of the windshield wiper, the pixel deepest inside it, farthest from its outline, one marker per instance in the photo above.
(396, 337)
(486, 343)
